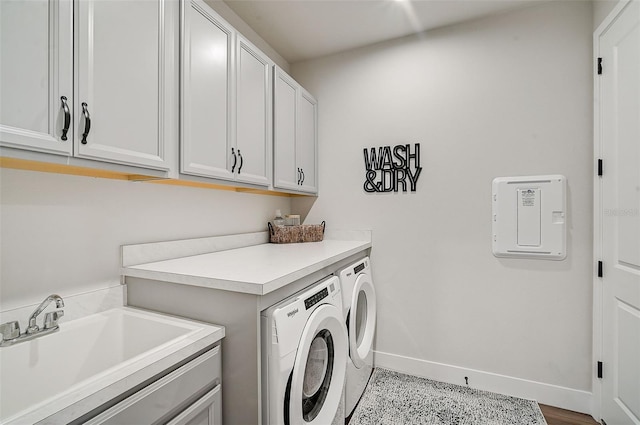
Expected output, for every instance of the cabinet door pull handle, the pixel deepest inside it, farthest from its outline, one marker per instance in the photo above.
(298, 175)
(67, 117)
(241, 161)
(302, 172)
(87, 122)
(235, 159)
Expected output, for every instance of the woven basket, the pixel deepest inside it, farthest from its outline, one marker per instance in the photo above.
(296, 234)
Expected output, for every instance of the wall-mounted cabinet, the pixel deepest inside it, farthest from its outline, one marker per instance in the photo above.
(294, 135)
(36, 75)
(125, 81)
(127, 86)
(115, 105)
(254, 113)
(226, 100)
(206, 93)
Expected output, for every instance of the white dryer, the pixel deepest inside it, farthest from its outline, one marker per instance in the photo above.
(359, 312)
(304, 354)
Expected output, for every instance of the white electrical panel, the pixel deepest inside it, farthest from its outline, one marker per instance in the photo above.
(529, 217)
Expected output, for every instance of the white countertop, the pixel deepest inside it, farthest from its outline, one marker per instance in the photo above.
(258, 269)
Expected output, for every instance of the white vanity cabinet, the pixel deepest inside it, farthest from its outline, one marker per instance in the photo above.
(189, 395)
(124, 82)
(206, 411)
(226, 100)
(295, 135)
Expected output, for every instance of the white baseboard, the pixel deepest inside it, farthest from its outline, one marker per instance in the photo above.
(553, 395)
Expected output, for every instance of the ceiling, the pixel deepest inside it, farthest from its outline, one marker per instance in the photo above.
(305, 29)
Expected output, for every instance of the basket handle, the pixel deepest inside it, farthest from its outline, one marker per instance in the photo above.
(323, 224)
(270, 228)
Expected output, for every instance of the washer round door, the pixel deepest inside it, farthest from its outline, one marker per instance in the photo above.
(319, 369)
(362, 320)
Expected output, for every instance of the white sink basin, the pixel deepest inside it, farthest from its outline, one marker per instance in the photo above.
(107, 350)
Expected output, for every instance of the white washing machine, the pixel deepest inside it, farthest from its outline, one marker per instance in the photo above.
(359, 313)
(304, 355)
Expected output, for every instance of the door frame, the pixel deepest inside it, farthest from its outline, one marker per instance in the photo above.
(598, 294)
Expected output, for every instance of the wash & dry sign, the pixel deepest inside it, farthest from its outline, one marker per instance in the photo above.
(389, 169)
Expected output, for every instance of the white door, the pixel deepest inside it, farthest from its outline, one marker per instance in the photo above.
(620, 216)
(306, 141)
(207, 91)
(285, 176)
(121, 80)
(253, 119)
(319, 369)
(36, 75)
(362, 321)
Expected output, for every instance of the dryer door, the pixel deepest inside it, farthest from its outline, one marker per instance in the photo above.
(319, 369)
(362, 320)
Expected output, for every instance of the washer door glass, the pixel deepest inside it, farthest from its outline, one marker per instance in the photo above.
(319, 368)
(362, 320)
(317, 375)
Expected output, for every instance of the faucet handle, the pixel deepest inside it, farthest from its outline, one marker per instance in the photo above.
(51, 319)
(10, 330)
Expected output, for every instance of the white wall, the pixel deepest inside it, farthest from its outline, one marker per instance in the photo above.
(232, 17)
(602, 8)
(62, 234)
(505, 95)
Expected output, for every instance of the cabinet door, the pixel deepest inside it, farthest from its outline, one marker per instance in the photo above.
(122, 85)
(206, 411)
(306, 141)
(286, 176)
(253, 120)
(35, 74)
(207, 92)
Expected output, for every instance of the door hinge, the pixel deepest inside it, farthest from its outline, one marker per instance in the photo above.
(600, 165)
(599, 268)
(600, 370)
(599, 66)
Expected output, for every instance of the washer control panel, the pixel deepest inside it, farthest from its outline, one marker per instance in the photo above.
(316, 298)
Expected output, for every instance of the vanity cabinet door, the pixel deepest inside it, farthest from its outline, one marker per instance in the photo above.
(36, 75)
(206, 411)
(207, 91)
(125, 51)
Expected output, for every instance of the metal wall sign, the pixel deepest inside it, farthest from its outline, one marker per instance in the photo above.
(389, 169)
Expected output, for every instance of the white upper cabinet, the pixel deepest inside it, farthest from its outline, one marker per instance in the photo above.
(36, 75)
(306, 141)
(117, 84)
(285, 174)
(125, 50)
(207, 93)
(226, 101)
(295, 135)
(254, 114)
(124, 84)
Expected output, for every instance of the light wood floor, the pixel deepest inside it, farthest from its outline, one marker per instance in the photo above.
(556, 416)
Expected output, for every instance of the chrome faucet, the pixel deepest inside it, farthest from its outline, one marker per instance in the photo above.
(10, 331)
(33, 327)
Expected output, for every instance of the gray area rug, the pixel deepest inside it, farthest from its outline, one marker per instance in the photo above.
(396, 398)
